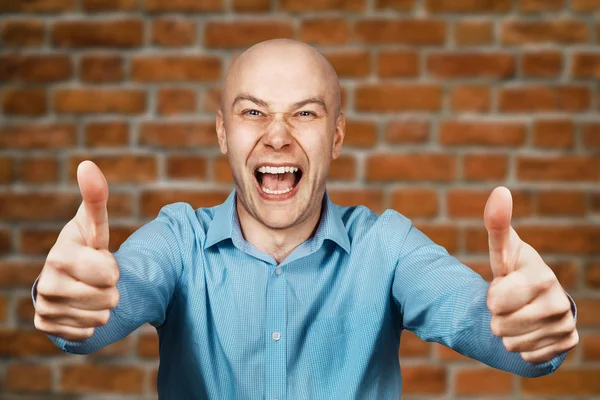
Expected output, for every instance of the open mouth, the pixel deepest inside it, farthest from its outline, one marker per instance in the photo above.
(277, 180)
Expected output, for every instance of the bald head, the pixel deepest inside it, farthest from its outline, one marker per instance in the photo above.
(281, 66)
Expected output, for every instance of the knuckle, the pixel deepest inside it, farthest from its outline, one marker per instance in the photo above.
(528, 357)
(568, 326)
(510, 345)
(114, 299)
(496, 326)
(102, 318)
(87, 333)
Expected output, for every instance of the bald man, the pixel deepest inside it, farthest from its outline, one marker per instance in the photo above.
(280, 294)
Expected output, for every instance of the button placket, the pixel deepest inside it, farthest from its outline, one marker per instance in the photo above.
(275, 326)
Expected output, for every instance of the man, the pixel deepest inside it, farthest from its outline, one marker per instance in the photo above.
(280, 294)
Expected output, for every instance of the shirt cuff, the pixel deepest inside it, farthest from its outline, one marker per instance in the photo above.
(573, 305)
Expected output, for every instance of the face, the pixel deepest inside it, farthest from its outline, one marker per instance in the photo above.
(280, 129)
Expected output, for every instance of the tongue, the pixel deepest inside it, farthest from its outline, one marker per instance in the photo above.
(278, 181)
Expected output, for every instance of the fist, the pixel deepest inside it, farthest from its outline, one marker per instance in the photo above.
(77, 287)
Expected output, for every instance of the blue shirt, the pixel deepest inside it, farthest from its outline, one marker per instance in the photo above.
(323, 324)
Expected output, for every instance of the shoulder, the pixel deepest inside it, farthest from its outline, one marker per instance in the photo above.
(183, 219)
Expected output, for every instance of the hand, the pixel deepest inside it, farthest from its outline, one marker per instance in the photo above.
(530, 310)
(78, 283)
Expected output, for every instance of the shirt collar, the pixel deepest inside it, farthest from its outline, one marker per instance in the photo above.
(226, 225)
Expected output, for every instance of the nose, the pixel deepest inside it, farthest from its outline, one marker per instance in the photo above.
(277, 135)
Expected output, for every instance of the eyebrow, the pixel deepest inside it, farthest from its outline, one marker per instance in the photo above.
(262, 103)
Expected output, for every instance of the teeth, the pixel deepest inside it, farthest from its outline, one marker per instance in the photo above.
(265, 169)
(269, 191)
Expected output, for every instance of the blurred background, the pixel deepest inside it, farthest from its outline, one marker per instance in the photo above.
(445, 100)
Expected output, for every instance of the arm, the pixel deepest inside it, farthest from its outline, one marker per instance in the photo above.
(444, 301)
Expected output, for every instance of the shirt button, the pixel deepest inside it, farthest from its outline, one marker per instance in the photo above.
(278, 270)
(275, 336)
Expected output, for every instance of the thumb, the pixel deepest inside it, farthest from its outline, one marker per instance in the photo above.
(94, 191)
(496, 217)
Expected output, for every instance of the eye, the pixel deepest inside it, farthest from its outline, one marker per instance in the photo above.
(252, 113)
(307, 114)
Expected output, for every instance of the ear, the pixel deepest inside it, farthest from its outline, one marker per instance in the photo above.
(221, 136)
(338, 136)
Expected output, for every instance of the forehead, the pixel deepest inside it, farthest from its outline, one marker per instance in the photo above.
(280, 77)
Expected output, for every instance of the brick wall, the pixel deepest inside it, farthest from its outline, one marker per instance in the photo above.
(445, 100)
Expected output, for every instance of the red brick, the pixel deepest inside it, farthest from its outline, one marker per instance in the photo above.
(586, 65)
(470, 65)
(24, 378)
(186, 167)
(37, 240)
(24, 101)
(591, 347)
(595, 203)
(39, 170)
(173, 32)
(173, 101)
(535, 6)
(129, 168)
(7, 169)
(151, 201)
(147, 345)
(34, 68)
(467, 6)
(413, 32)
(18, 343)
(558, 168)
(343, 169)
(84, 378)
(360, 134)
(566, 273)
(109, 5)
(388, 167)
(591, 134)
(412, 346)
(398, 64)
(443, 234)
(423, 379)
(592, 275)
(41, 6)
(370, 198)
(3, 307)
(5, 242)
(585, 5)
(415, 202)
(481, 133)
(118, 234)
(183, 5)
(471, 203)
(121, 348)
(473, 33)
(38, 206)
(554, 133)
(324, 31)
(562, 203)
(176, 69)
(542, 64)
(222, 170)
(24, 33)
(544, 98)
(251, 5)
(107, 134)
(481, 267)
(398, 97)
(120, 204)
(587, 312)
(79, 101)
(178, 134)
(350, 63)
(243, 33)
(483, 381)
(322, 5)
(37, 136)
(470, 98)
(559, 31)
(19, 273)
(570, 382)
(400, 5)
(97, 68)
(119, 33)
(211, 99)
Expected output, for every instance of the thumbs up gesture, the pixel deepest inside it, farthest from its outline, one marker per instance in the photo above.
(530, 310)
(78, 283)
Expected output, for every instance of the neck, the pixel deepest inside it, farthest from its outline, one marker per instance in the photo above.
(278, 243)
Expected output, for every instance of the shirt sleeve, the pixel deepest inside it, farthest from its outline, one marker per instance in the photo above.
(150, 267)
(443, 300)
